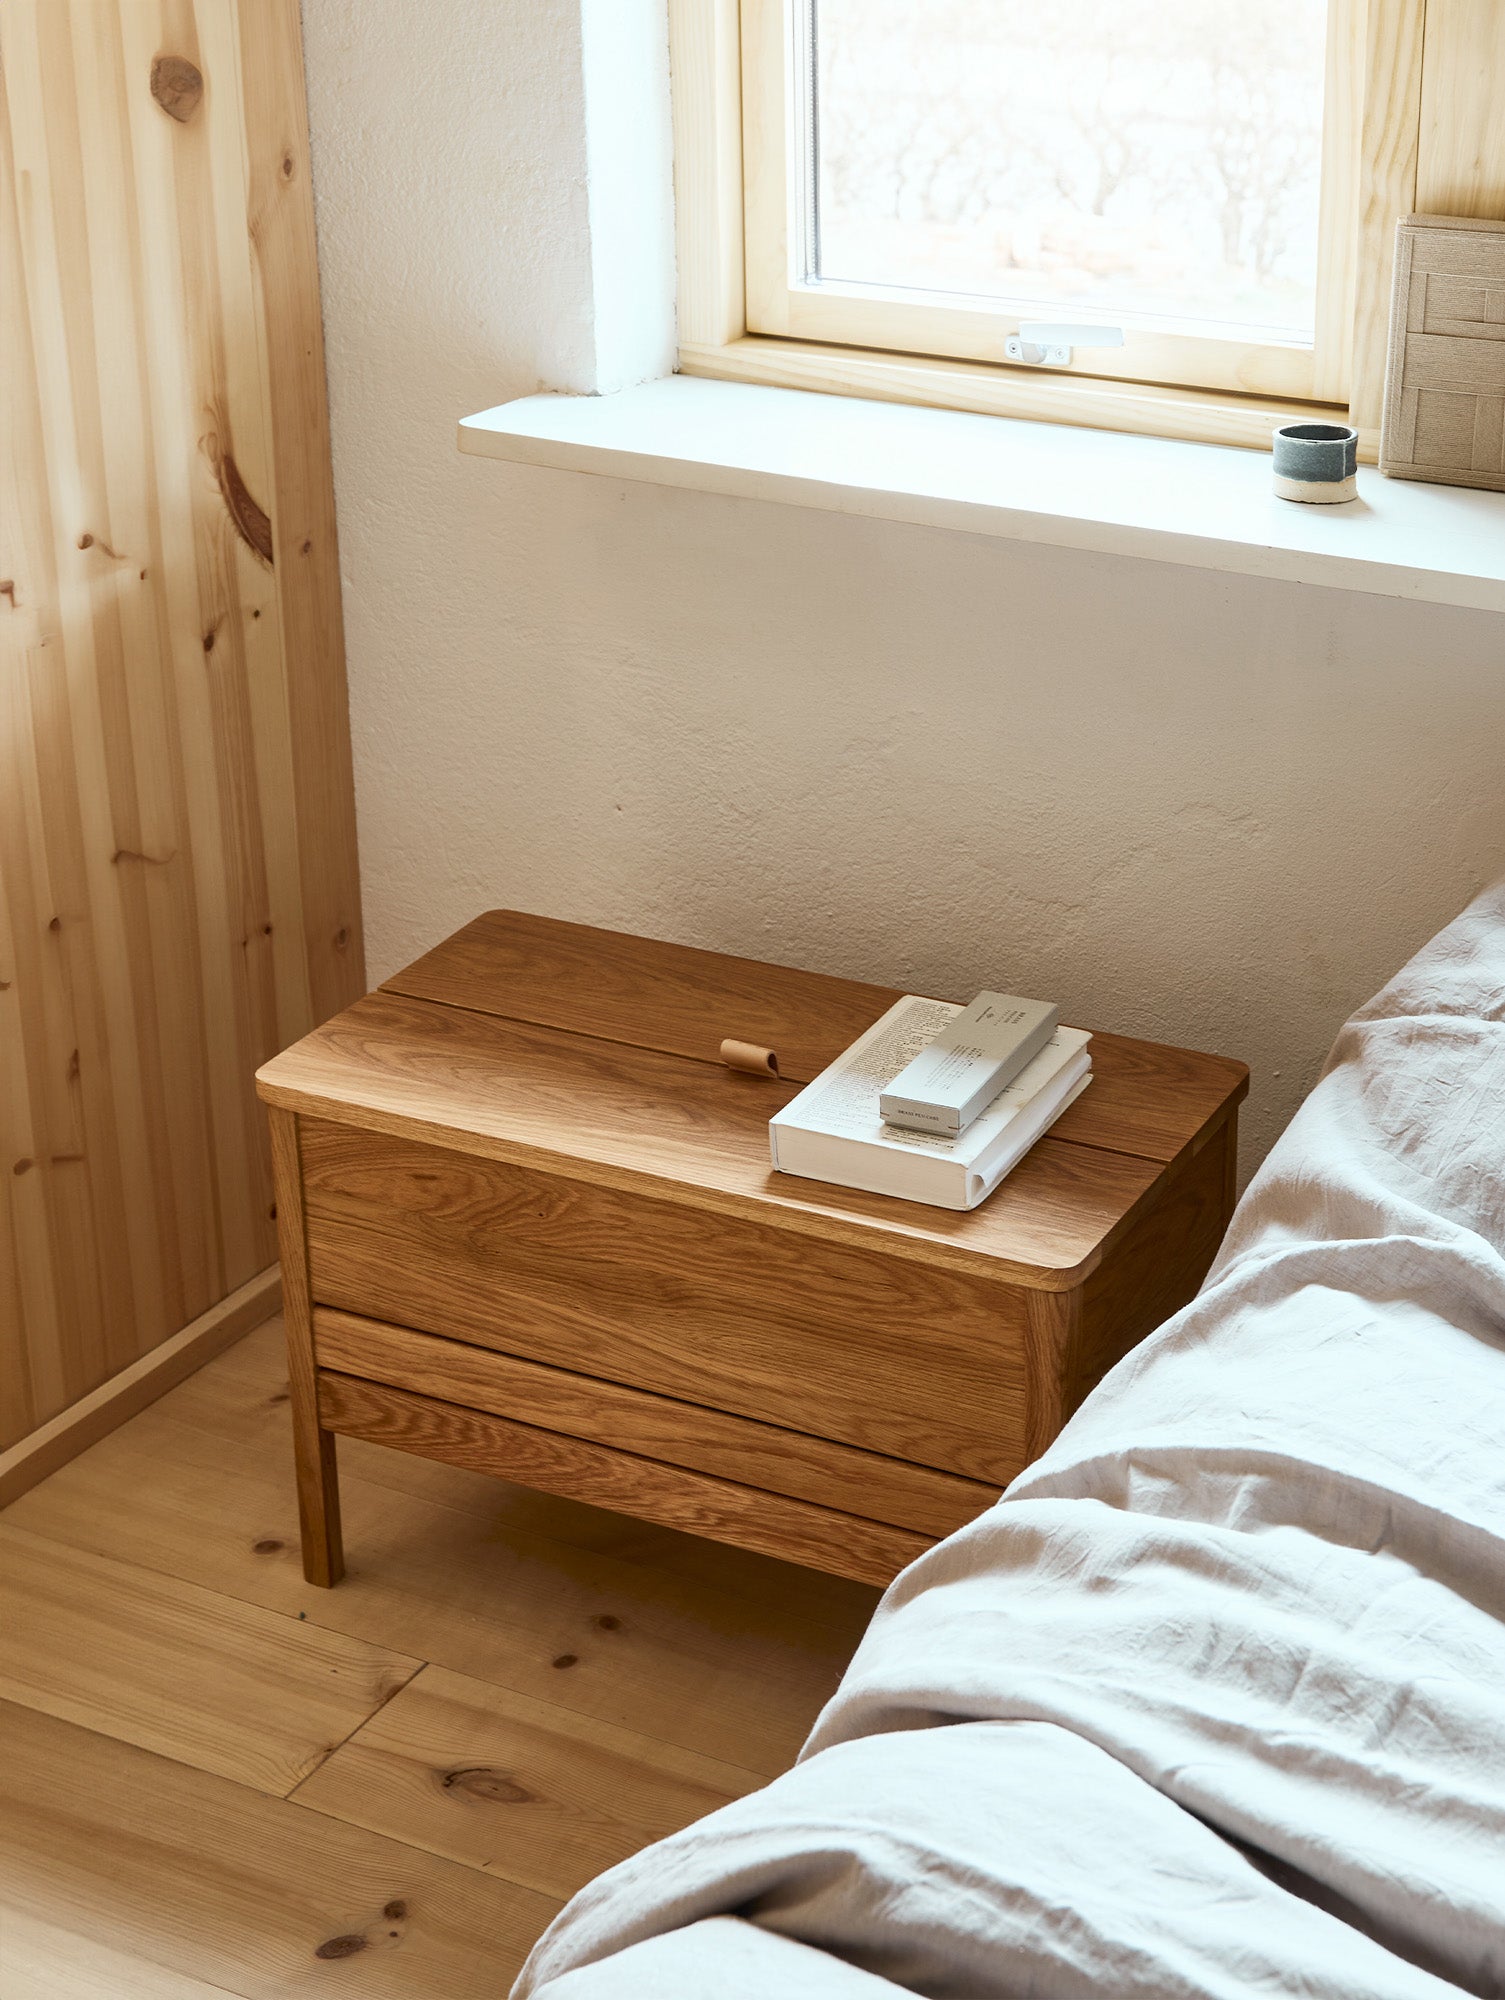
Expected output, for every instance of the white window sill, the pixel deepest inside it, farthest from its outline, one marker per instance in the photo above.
(1209, 506)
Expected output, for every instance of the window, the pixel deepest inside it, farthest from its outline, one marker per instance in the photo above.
(930, 174)
(1160, 164)
(903, 197)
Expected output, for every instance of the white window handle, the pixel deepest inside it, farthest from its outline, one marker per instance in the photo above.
(1048, 342)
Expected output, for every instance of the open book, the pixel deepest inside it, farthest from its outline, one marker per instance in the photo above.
(833, 1130)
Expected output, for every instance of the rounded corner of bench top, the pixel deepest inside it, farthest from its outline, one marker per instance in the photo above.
(269, 1081)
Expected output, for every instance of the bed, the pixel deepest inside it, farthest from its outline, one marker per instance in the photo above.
(1212, 1702)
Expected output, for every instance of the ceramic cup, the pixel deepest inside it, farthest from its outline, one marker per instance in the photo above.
(1317, 462)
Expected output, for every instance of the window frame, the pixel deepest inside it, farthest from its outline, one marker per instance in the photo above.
(858, 316)
(740, 319)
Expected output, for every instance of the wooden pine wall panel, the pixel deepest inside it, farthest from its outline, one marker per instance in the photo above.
(1395, 35)
(303, 518)
(1461, 154)
(178, 888)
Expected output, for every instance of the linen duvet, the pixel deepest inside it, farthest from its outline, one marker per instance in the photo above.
(1213, 1701)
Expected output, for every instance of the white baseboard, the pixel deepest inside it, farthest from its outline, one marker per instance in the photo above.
(94, 1416)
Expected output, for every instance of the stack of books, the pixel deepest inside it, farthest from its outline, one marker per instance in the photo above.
(835, 1130)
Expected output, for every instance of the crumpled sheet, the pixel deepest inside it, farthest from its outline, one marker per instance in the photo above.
(1212, 1703)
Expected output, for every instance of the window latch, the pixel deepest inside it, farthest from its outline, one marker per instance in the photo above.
(1048, 343)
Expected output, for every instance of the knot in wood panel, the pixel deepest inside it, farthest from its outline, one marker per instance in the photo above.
(491, 1787)
(252, 523)
(341, 1947)
(178, 86)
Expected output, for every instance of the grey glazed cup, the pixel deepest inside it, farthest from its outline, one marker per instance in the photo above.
(1317, 462)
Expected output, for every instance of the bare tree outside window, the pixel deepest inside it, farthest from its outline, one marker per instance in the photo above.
(1159, 162)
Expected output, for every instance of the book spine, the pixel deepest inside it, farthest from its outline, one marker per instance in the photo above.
(854, 1163)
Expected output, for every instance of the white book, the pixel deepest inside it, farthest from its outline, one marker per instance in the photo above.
(833, 1131)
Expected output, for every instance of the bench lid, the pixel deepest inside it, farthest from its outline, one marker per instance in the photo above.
(594, 1054)
(1147, 1098)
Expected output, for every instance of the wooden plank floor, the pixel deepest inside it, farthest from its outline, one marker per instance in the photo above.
(215, 1779)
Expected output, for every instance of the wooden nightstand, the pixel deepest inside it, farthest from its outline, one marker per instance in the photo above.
(528, 1224)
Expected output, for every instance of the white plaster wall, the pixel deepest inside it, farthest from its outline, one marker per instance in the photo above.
(629, 158)
(1212, 810)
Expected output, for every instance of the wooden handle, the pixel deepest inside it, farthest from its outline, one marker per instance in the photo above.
(749, 1057)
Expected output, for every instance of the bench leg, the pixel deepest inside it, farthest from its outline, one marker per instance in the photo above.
(318, 1501)
(313, 1446)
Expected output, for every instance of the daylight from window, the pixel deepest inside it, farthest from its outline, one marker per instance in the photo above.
(1155, 160)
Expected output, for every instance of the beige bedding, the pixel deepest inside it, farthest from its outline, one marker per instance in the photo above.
(1213, 1702)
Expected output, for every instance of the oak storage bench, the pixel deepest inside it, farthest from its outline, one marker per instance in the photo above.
(528, 1224)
